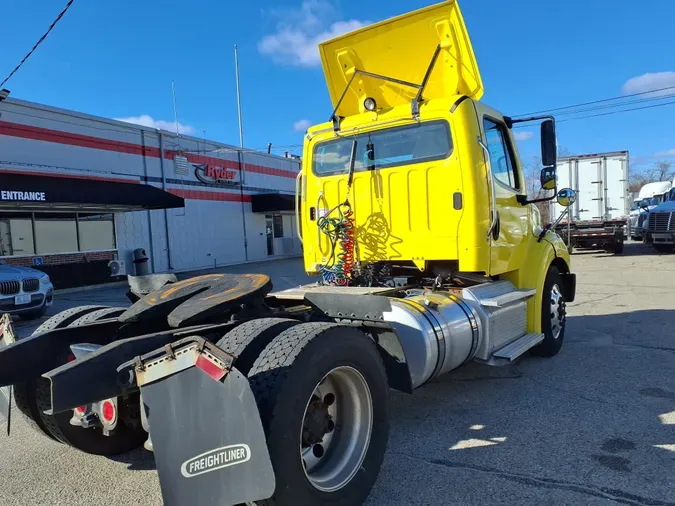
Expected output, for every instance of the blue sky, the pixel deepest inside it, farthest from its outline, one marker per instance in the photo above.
(117, 59)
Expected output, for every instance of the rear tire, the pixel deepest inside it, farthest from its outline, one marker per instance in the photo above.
(617, 249)
(285, 377)
(25, 393)
(249, 339)
(553, 315)
(124, 438)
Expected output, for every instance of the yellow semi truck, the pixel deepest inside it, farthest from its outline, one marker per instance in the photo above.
(412, 208)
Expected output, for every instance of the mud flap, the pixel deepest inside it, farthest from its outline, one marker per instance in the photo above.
(207, 437)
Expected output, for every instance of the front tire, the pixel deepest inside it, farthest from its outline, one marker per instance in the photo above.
(553, 315)
(323, 398)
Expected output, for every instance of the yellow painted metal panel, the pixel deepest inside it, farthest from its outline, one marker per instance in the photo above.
(402, 48)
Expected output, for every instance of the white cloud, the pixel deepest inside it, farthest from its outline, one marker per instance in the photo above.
(523, 136)
(301, 125)
(664, 154)
(651, 81)
(148, 121)
(299, 32)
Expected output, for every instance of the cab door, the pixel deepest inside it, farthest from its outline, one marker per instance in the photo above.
(510, 231)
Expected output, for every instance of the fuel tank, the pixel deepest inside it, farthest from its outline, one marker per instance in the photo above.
(439, 332)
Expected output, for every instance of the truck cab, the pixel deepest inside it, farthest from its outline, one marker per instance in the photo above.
(660, 223)
(650, 196)
(426, 177)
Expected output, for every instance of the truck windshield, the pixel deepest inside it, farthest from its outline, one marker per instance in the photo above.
(422, 142)
(656, 200)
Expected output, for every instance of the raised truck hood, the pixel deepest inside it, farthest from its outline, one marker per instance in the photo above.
(402, 48)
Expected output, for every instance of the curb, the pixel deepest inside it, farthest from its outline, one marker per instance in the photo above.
(88, 288)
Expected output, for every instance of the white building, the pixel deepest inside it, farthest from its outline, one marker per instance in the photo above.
(77, 191)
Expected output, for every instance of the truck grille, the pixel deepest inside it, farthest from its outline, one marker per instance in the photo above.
(31, 285)
(9, 287)
(661, 222)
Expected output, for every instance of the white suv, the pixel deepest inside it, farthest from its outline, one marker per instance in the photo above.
(24, 292)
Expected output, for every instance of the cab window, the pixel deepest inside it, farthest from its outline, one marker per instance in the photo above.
(501, 158)
(423, 142)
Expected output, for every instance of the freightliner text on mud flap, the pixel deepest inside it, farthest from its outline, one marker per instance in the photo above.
(207, 436)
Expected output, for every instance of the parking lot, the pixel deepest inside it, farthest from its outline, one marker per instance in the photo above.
(594, 425)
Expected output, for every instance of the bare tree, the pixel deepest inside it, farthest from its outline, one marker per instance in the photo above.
(662, 170)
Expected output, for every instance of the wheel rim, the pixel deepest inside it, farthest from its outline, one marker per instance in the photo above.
(336, 429)
(557, 311)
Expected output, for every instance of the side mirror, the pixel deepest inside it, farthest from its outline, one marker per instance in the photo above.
(549, 144)
(547, 178)
(567, 197)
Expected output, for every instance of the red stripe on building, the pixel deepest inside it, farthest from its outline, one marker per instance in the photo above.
(69, 176)
(86, 141)
(232, 164)
(205, 195)
(71, 139)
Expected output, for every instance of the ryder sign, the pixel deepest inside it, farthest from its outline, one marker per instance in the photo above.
(214, 174)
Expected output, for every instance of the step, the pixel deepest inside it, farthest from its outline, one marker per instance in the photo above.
(516, 348)
(507, 298)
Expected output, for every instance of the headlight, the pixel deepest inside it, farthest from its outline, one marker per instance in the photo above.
(45, 279)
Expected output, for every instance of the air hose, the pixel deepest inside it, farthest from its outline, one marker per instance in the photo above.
(340, 230)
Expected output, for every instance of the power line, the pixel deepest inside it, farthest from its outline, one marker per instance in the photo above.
(612, 106)
(603, 114)
(58, 18)
(595, 102)
(617, 112)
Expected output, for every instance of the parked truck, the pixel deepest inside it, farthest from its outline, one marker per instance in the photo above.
(599, 217)
(660, 225)
(412, 207)
(650, 196)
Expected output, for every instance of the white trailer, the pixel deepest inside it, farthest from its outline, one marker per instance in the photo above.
(599, 216)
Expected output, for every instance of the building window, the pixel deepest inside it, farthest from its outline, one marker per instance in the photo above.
(278, 225)
(24, 234)
(16, 234)
(97, 231)
(55, 233)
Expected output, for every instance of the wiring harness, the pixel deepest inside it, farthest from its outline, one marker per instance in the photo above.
(338, 224)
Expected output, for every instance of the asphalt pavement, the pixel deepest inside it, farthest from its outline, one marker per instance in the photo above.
(594, 425)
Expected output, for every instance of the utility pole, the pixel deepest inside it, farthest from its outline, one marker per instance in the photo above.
(236, 69)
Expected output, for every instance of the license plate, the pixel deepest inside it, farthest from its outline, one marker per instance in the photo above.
(662, 236)
(21, 299)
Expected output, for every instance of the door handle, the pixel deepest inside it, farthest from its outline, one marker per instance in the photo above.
(495, 230)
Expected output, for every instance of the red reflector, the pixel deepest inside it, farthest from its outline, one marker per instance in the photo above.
(108, 411)
(81, 409)
(210, 368)
(71, 357)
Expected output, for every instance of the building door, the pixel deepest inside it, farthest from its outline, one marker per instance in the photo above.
(269, 231)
